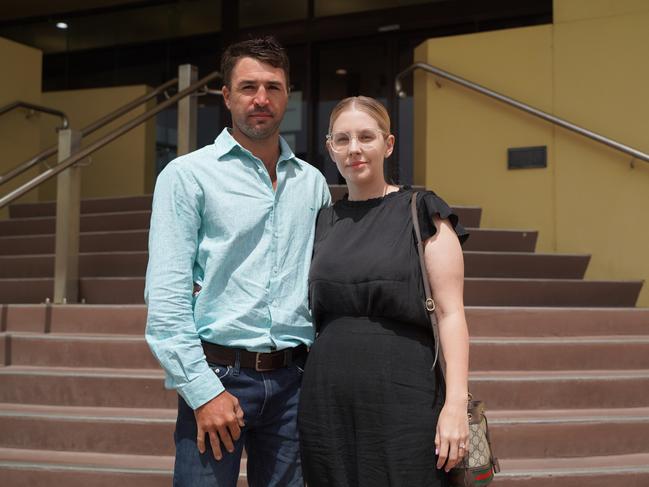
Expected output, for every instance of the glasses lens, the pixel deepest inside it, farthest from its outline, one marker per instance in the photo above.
(367, 136)
(340, 140)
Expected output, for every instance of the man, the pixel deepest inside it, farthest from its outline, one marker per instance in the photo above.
(234, 222)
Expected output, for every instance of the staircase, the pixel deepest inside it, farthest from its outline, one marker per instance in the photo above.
(562, 363)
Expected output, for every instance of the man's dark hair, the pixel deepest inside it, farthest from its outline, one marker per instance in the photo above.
(266, 50)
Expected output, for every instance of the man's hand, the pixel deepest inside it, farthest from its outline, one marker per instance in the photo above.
(222, 419)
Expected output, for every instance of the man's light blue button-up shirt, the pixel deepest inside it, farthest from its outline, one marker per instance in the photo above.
(217, 221)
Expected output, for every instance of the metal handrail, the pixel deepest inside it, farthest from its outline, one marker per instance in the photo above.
(521, 106)
(94, 126)
(98, 144)
(37, 108)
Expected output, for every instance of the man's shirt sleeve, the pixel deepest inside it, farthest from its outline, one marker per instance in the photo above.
(326, 193)
(173, 243)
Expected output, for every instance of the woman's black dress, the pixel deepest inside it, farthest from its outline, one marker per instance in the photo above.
(370, 402)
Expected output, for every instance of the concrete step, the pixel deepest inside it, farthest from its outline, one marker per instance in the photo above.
(94, 290)
(133, 264)
(95, 264)
(44, 468)
(564, 389)
(468, 215)
(63, 350)
(142, 388)
(116, 241)
(569, 433)
(40, 318)
(550, 292)
(525, 265)
(120, 430)
(487, 353)
(91, 205)
(137, 240)
(557, 353)
(76, 386)
(477, 291)
(483, 321)
(563, 322)
(515, 434)
(605, 471)
(90, 222)
(494, 240)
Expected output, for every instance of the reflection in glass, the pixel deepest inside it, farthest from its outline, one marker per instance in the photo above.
(324, 8)
(120, 27)
(253, 13)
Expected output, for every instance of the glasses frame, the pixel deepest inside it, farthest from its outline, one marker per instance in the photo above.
(329, 138)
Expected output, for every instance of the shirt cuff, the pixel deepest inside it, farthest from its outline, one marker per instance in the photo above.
(202, 389)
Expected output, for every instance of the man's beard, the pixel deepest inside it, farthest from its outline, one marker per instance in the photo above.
(258, 132)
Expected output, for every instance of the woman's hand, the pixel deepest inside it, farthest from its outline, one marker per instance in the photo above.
(452, 435)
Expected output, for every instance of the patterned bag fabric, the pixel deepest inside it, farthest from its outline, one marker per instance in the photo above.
(477, 469)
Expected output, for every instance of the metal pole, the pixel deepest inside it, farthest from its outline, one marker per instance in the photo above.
(520, 105)
(96, 125)
(187, 111)
(98, 144)
(68, 203)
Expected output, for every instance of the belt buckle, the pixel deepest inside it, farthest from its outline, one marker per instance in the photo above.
(258, 366)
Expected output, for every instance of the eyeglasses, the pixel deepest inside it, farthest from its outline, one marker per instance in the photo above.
(340, 141)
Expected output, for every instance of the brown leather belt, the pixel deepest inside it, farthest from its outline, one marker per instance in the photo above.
(261, 362)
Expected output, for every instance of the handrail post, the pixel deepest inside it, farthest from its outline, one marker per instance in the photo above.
(187, 110)
(68, 203)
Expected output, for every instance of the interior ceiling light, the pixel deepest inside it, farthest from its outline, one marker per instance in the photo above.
(341, 71)
(61, 25)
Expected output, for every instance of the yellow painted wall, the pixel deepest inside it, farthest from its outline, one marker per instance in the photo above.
(125, 166)
(590, 67)
(19, 134)
(467, 135)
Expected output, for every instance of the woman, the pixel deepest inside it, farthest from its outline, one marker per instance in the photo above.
(372, 412)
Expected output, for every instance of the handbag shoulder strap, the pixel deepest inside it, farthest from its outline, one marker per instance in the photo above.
(430, 302)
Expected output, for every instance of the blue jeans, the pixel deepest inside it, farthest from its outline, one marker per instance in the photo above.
(269, 402)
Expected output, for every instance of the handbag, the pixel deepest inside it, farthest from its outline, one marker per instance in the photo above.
(478, 467)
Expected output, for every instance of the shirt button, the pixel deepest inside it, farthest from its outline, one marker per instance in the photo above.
(260, 169)
(276, 234)
(275, 269)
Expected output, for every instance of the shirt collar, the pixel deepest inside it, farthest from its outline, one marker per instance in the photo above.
(225, 144)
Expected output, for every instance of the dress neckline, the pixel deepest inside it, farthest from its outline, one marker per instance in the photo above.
(372, 201)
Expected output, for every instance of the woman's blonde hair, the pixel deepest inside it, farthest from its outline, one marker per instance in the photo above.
(372, 107)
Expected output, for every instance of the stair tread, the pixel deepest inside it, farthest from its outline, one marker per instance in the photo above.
(488, 279)
(541, 416)
(86, 460)
(541, 279)
(507, 230)
(85, 412)
(549, 309)
(559, 340)
(558, 374)
(83, 215)
(478, 340)
(51, 255)
(102, 232)
(523, 254)
(82, 371)
(108, 337)
(490, 309)
(543, 467)
(502, 416)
